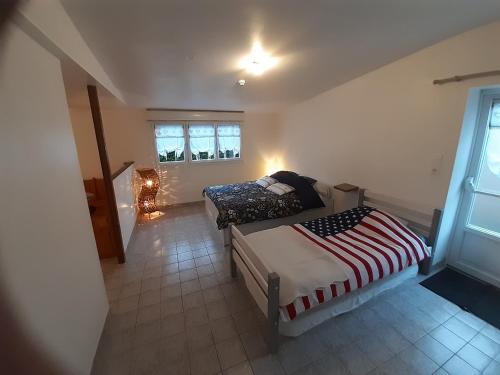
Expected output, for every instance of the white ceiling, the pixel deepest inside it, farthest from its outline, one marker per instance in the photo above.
(184, 53)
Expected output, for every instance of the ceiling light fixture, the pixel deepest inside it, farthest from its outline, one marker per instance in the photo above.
(259, 61)
(242, 82)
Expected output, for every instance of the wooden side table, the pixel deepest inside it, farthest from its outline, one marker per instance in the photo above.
(345, 197)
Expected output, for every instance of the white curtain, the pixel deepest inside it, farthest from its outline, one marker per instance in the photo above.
(229, 140)
(169, 138)
(202, 139)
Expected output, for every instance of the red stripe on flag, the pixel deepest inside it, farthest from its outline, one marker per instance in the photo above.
(333, 287)
(347, 286)
(377, 241)
(398, 235)
(292, 313)
(305, 301)
(388, 259)
(408, 232)
(373, 257)
(331, 251)
(354, 255)
(320, 295)
(383, 234)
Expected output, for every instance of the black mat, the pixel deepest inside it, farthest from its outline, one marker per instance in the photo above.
(476, 297)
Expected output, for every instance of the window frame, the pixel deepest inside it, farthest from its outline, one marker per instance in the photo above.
(187, 142)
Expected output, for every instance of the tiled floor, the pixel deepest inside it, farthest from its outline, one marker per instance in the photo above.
(175, 310)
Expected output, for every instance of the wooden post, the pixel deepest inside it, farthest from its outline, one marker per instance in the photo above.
(234, 272)
(361, 197)
(431, 241)
(106, 173)
(273, 295)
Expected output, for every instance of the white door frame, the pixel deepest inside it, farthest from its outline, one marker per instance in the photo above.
(487, 97)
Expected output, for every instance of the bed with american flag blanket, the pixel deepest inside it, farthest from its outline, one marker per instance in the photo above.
(369, 244)
(302, 269)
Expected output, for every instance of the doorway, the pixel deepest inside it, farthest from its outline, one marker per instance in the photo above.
(476, 238)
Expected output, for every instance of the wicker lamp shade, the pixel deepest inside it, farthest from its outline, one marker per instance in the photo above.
(149, 187)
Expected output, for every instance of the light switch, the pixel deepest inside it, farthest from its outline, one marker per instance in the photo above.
(436, 164)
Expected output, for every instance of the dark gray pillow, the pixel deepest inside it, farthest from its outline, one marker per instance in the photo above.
(311, 180)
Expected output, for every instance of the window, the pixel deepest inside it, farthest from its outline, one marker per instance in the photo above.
(202, 141)
(228, 137)
(170, 142)
(486, 199)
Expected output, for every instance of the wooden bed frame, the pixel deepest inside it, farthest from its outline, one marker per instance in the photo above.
(265, 290)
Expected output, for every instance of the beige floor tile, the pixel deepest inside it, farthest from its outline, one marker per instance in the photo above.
(223, 329)
(217, 309)
(149, 314)
(171, 306)
(172, 325)
(230, 353)
(196, 316)
(191, 286)
(190, 301)
(205, 362)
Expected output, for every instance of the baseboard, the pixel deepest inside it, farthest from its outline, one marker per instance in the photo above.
(134, 231)
(437, 267)
(174, 205)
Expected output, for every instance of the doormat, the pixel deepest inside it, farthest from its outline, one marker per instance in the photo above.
(474, 296)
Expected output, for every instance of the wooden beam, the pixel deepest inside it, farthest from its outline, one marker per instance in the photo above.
(192, 110)
(106, 173)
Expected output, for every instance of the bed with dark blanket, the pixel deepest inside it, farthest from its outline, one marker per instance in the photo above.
(248, 202)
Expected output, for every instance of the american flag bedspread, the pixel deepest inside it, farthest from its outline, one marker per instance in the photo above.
(369, 244)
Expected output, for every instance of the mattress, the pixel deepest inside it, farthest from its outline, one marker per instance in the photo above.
(345, 303)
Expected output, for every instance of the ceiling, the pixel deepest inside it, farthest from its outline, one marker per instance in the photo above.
(185, 53)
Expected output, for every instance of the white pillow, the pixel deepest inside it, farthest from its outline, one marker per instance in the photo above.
(266, 181)
(280, 188)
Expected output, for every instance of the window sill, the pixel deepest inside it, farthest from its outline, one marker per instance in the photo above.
(200, 162)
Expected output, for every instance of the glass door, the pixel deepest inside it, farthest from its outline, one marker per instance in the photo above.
(476, 240)
(484, 214)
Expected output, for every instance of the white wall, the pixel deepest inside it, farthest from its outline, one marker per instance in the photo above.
(86, 143)
(130, 137)
(49, 269)
(123, 186)
(384, 130)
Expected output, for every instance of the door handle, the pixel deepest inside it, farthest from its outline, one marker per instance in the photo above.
(469, 185)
